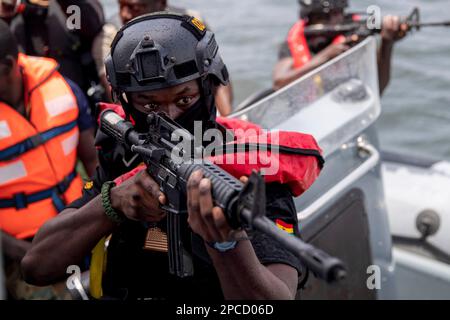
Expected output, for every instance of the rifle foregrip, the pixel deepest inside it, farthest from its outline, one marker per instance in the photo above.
(225, 187)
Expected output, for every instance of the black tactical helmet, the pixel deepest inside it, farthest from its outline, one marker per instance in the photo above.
(308, 7)
(162, 50)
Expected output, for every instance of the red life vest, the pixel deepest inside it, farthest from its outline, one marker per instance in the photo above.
(298, 45)
(38, 156)
(292, 158)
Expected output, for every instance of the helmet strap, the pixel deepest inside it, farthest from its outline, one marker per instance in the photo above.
(126, 105)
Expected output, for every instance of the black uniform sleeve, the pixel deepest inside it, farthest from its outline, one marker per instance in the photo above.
(280, 208)
(284, 51)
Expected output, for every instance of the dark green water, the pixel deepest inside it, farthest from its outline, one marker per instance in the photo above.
(416, 106)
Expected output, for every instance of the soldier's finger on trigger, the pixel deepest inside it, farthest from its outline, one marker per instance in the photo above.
(151, 208)
(243, 179)
(151, 186)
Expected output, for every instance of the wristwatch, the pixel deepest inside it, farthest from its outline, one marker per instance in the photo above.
(223, 246)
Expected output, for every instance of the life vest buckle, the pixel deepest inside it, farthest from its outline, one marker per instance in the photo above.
(62, 187)
(21, 201)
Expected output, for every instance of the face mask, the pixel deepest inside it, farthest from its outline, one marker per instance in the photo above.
(140, 120)
(197, 112)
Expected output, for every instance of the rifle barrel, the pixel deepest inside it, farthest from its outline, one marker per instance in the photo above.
(320, 263)
(430, 24)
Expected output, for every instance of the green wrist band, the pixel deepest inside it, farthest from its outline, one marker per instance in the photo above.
(112, 214)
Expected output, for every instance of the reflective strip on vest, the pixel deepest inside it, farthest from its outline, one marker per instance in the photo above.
(35, 141)
(70, 144)
(60, 105)
(37, 160)
(60, 188)
(5, 131)
(12, 172)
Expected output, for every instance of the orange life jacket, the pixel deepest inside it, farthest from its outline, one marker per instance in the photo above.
(38, 156)
(298, 45)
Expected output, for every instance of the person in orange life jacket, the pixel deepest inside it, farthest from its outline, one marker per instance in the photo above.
(44, 124)
(233, 267)
(130, 9)
(299, 55)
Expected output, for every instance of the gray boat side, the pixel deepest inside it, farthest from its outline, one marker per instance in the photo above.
(344, 212)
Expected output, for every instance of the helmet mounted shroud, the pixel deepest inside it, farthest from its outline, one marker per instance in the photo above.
(162, 50)
(308, 7)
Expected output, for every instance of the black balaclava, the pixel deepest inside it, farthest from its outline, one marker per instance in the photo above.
(203, 110)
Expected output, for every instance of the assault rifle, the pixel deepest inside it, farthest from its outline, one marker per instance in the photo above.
(243, 205)
(358, 30)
